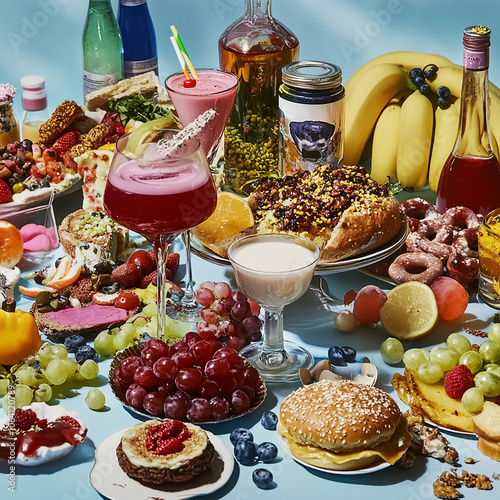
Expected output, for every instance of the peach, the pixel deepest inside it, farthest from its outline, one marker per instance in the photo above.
(451, 297)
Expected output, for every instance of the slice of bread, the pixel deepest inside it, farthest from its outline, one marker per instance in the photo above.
(487, 423)
(489, 448)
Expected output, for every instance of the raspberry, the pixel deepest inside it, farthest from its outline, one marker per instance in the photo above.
(457, 381)
(172, 445)
(166, 437)
(24, 419)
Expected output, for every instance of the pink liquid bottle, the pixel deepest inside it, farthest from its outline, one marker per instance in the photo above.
(471, 175)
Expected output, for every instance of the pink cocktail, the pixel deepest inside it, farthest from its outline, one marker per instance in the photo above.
(214, 89)
(159, 196)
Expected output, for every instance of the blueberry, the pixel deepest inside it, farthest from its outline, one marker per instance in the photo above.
(239, 434)
(267, 452)
(85, 352)
(424, 88)
(336, 356)
(245, 452)
(419, 81)
(416, 73)
(430, 73)
(349, 353)
(262, 478)
(269, 420)
(74, 342)
(444, 92)
(443, 103)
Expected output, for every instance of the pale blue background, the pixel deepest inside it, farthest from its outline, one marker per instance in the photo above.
(44, 36)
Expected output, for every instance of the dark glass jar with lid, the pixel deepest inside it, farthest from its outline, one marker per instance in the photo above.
(311, 106)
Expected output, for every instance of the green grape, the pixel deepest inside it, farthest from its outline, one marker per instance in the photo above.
(150, 310)
(56, 372)
(95, 399)
(488, 382)
(490, 351)
(43, 393)
(444, 357)
(472, 360)
(58, 351)
(4, 386)
(89, 369)
(121, 341)
(392, 351)
(23, 395)
(140, 322)
(71, 366)
(472, 400)
(44, 356)
(458, 343)
(494, 333)
(26, 375)
(492, 368)
(103, 344)
(413, 358)
(430, 373)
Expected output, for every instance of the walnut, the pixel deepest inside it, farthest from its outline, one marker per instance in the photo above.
(449, 478)
(479, 481)
(407, 460)
(470, 461)
(442, 490)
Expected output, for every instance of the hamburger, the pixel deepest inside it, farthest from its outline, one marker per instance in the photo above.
(170, 451)
(342, 425)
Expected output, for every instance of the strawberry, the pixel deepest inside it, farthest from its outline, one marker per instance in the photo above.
(457, 381)
(150, 278)
(173, 262)
(66, 141)
(5, 192)
(127, 274)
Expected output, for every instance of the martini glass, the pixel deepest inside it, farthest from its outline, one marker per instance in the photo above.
(214, 89)
(159, 196)
(274, 270)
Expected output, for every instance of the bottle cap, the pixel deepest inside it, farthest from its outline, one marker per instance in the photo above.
(34, 96)
(476, 40)
(312, 75)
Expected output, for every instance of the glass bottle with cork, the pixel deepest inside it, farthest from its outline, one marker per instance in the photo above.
(139, 38)
(255, 48)
(471, 174)
(34, 105)
(9, 126)
(102, 48)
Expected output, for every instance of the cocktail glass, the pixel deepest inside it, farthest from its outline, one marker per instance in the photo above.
(159, 196)
(274, 270)
(214, 89)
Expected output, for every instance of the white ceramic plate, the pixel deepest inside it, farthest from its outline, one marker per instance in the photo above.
(108, 478)
(367, 470)
(348, 264)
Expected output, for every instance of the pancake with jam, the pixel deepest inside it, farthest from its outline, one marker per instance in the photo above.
(170, 451)
(343, 210)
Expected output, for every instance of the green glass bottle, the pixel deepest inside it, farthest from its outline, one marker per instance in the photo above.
(102, 48)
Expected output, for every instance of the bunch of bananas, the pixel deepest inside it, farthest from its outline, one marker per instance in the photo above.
(406, 134)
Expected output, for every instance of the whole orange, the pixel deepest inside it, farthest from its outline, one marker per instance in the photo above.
(11, 244)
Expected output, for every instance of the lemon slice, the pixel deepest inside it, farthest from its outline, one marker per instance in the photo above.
(146, 133)
(231, 216)
(410, 311)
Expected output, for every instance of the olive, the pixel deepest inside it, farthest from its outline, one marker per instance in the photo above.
(43, 183)
(27, 145)
(45, 309)
(65, 293)
(43, 299)
(62, 302)
(113, 287)
(103, 267)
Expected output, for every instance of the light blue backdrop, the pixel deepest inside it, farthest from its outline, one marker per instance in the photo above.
(44, 36)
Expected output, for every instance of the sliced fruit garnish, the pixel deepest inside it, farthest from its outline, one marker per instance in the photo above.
(33, 292)
(410, 311)
(231, 216)
(145, 133)
(67, 272)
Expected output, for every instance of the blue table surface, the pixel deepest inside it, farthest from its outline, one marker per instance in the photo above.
(308, 322)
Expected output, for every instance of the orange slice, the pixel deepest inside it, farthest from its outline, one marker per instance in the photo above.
(33, 292)
(67, 273)
(231, 216)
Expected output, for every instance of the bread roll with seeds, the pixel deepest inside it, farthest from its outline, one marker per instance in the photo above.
(343, 425)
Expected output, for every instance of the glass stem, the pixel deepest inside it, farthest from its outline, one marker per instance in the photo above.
(162, 247)
(273, 349)
(189, 289)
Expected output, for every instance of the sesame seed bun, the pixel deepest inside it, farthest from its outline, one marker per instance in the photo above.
(343, 425)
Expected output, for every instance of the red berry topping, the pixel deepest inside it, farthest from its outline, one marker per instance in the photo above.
(167, 437)
(457, 381)
(72, 422)
(189, 83)
(24, 419)
(172, 445)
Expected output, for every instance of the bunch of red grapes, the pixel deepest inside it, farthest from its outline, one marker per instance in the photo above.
(227, 315)
(194, 379)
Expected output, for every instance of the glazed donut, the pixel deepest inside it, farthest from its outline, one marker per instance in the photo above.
(461, 267)
(436, 230)
(417, 209)
(466, 241)
(416, 266)
(461, 218)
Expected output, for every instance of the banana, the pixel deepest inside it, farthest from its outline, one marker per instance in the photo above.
(405, 59)
(445, 134)
(414, 141)
(385, 140)
(363, 106)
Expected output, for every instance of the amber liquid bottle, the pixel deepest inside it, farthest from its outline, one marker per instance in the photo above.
(255, 48)
(471, 175)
